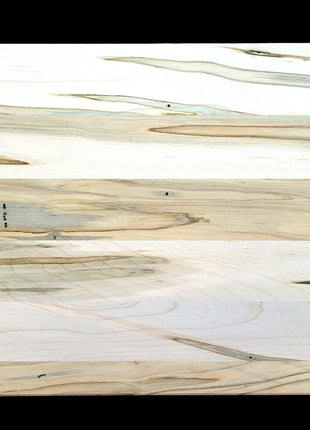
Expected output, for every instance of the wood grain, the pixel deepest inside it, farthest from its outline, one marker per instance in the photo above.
(156, 209)
(224, 71)
(154, 219)
(180, 111)
(198, 270)
(153, 378)
(185, 301)
(123, 146)
(8, 161)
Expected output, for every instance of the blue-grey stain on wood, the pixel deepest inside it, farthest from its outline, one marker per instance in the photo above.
(27, 215)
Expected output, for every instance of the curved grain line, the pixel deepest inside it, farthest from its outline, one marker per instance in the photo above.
(9, 161)
(230, 352)
(223, 71)
(237, 131)
(60, 260)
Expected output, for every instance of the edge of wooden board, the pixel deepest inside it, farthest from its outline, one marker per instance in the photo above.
(154, 378)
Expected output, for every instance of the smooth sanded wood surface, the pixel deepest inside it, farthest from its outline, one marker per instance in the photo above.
(154, 378)
(52, 144)
(160, 111)
(197, 303)
(155, 209)
(154, 219)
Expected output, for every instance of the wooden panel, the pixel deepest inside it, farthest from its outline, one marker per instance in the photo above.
(154, 219)
(168, 270)
(155, 209)
(154, 301)
(224, 327)
(161, 111)
(98, 145)
(154, 378)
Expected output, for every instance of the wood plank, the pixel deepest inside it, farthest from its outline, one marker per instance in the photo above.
(154, 112)
(154, 219)
(35, 75)
(153, 378)
(98, 145)
(155, 209)
(154, 301)
(197, 270)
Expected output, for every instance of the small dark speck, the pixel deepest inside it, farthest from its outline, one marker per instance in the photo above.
(5, 224)
(254, 52)
(42, 374)
(250, 357)
(168, 105)
(166, 193)
(4, 206)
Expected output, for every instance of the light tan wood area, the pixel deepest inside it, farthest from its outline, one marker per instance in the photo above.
(230, 302)
(154, 378)
(154, 219)
(156, 209)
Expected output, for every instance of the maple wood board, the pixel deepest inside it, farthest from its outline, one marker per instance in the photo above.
(73, 312)
(162, 111)
(217, 209)
(154, 219)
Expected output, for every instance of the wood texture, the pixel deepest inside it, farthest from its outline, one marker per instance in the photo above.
(156, 209)
(228, 270)
(140, 146)
(154, 219)
(184, 317)
(154, 301)
(154, 378)
(185, 111)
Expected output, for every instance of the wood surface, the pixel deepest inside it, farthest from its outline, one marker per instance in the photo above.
(154, 378)
(154, 219)
(214, 209)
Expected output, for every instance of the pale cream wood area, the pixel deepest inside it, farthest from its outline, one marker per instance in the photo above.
(121, 146)
(155, 270)
(154, 219)
(164, 111)
(154, 301)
